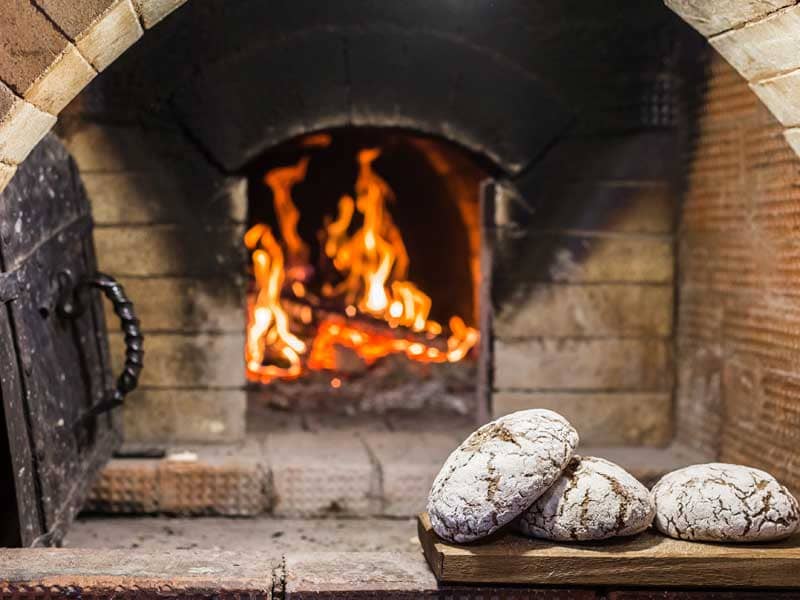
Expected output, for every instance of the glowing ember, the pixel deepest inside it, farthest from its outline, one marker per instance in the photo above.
(373, 264)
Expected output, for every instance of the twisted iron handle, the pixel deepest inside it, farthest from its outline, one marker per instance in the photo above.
(127, 381)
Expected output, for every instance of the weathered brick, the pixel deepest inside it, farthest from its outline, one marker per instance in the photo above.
(764, 47)
(714, 17)
(321, 475)
(231, 486)
(574, 310)
(639, 364)
(170, 250)
(621, 419)
(186, 305)
(126, 486)
(108, 37)
(169, 416)
(390, 574)
(152, 11)
(408, 464)
(22, 125)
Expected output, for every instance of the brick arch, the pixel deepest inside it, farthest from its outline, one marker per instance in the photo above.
(761, 40)
(49, 51)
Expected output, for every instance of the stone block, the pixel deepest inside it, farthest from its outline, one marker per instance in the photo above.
(718, 16)
(214, 484)
(621, 419)
(764, 47)
(166, 196)
(586, 310)
(780, 95)
(128, 486)
(792, 137)
(186, 305)
(62, 81)
(188, 360)
(353, 574)
(108, 37)
(640, 364)
(170, 416)
(408, 463)
(170, 250)
(316, 475)
(6, 173)
(22, 125)
(152, 11)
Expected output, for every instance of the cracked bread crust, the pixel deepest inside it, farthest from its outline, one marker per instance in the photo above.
(497, 472)
(593, 499)
(720, 502)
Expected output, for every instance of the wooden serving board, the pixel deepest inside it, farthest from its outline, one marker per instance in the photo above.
(648, 560)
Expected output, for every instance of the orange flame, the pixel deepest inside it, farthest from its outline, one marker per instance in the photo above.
(373, 263)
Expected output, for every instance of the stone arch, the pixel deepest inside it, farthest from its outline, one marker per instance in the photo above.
(49, 51)
(761, 40)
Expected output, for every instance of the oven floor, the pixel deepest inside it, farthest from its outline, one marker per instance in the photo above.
(260, 534)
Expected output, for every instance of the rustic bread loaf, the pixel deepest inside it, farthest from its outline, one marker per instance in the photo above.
(497, 472)
(593, 499)
(719, 502)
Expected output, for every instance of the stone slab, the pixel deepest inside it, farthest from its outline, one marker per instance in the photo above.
(622, 419)
(187, 360)
(319, 475)
(563, 310)
(22, 126)
(152, 11)
(408, 463)
(764, 47)
(640, 364)
(174, 416)
(196, 573)
(113, 33)
(715, 17)
(792, 137)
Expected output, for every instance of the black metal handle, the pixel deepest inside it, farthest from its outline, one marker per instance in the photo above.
(71, 305)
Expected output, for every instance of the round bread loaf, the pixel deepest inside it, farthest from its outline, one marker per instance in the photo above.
(497, 472)
(719, 502)
(593, 499)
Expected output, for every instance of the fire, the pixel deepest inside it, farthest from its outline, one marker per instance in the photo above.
(373, 264)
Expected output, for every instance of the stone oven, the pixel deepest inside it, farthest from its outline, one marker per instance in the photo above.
(350, 232)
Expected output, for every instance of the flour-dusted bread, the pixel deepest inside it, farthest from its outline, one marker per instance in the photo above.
(718, 502)
(498, 471)
(592, 499)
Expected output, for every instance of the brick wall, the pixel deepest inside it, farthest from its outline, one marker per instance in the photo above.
(169, 227)
(739, 305)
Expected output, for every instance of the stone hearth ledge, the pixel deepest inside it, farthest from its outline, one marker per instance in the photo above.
(302, 474)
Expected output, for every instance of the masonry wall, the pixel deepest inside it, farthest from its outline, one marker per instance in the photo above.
(169, 227)
(738, 391)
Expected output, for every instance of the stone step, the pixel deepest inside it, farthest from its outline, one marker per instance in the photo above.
(301, 474)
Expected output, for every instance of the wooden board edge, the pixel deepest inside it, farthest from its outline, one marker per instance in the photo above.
(433, 555)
